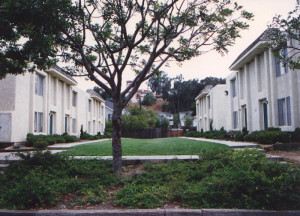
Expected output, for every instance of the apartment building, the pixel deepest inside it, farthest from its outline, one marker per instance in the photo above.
(263, 92)
(211, 108)
(47, 102)
(260, 93)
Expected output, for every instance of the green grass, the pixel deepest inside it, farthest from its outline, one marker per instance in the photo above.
(164, 146)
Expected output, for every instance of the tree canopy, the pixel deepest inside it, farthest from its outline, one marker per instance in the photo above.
(285, 34)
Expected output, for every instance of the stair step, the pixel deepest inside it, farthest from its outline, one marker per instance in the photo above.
(274, 158)
(3, 166)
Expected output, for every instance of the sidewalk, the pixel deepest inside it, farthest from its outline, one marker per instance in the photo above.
(232, 144)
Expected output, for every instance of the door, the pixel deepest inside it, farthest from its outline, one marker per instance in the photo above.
(265, 111)
(5, 127)
(51, 123)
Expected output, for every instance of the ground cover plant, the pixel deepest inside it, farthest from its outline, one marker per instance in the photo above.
(222, 178)
(44, 179)
(163, 146)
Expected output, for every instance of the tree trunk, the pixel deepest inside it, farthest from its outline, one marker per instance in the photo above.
(116, 138)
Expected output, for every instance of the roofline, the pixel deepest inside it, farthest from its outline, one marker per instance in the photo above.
(58, 72)
(259, 41)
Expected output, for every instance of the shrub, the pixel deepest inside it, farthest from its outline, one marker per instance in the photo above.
(59, 138)
(295, 136)
(69, 138)
(273, 129)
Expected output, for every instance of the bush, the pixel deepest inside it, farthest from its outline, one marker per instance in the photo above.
(59, 138)
(295, 136)
(267, 137)
(69, 138)
(40, 145)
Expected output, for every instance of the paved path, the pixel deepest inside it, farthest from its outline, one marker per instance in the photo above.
(232, 144)
(69, 145)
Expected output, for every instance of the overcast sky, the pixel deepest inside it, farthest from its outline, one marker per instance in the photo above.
(213, 64)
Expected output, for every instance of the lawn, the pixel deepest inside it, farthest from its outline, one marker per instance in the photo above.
(164, 146)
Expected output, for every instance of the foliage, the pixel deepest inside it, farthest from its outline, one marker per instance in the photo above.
(139, 118)
(282, 30)
(184, 91)
(269, 136)
(220, 179)
(35, 140)
(188, 120)
(165, 123)
(69, 139)
(102, 93)
(296, 135)
(43, 179)
(149, 99)
(176, 120)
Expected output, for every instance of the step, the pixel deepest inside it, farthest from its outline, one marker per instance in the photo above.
(256, 149)
(3, 166)
(274, 158)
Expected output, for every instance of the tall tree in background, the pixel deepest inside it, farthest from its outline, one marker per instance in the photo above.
(285, 33)
(109, 37)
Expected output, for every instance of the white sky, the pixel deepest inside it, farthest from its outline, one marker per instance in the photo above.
(213, 64)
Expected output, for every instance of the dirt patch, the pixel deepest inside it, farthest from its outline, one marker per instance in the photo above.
(289, 156)
(131, 170)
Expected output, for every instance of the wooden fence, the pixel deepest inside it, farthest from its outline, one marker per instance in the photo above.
(148, 133)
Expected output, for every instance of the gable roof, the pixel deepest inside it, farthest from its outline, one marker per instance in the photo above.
(262, 39)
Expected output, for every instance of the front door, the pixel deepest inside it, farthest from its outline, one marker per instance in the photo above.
(5, 127)
(51, 123)
(265, 110)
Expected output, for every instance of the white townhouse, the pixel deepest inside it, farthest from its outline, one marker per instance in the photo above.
(211, 108)
(47, 102)
(262, 91)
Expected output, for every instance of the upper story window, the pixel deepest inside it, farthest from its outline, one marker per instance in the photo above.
(39, 85)
(90, 105)
(74, 99)
(233, 87)
(208, 101)
(279, 65)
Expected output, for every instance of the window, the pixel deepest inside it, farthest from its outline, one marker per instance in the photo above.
(284, 111)
(90, 105)
(233, 88)
(74, 99)
(235, 120)
(277, 67)
(38, 122)
(39, 85)
(74, 126)
(109, 117)
(208, 101)
(285, 53)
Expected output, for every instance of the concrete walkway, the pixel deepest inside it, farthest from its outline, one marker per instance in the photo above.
(232, 144)
(70, 145)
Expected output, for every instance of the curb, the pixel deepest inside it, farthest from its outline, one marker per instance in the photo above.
(153, 212)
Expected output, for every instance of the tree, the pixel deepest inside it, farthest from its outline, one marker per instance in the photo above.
(139, 119)
(160, 84)
(285, 34)
(149, 99)
(165, 123)
(107, 38)
(102, 93)
(188, 120)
